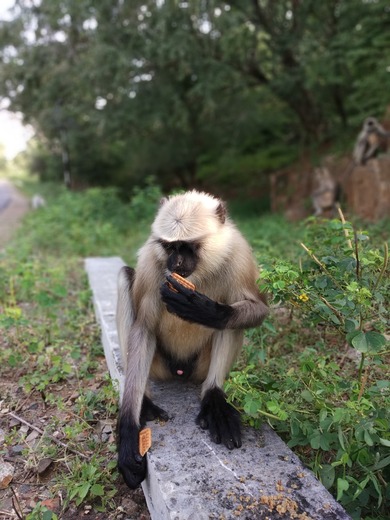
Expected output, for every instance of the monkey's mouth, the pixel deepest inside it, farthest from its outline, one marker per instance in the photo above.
(182, 273)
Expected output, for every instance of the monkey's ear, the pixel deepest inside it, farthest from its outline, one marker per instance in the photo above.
(221, 212)
(163, 200)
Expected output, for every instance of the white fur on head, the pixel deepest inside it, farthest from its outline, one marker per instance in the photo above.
(188, 216)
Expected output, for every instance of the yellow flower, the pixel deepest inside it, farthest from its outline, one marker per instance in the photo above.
(303, 297)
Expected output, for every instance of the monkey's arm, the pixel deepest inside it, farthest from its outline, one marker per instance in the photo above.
(195, 307)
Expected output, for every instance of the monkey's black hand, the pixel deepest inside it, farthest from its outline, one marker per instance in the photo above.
(195, 307)
(220, 418)
(131, 464)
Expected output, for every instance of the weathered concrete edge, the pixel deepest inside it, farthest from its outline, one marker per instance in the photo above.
(191, 478)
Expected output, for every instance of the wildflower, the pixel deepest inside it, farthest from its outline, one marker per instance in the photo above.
(303, 297)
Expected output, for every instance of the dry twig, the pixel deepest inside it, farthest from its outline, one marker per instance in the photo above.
(60, 443)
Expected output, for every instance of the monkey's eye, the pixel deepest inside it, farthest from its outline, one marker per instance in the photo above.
(167, 246)
(180, 246)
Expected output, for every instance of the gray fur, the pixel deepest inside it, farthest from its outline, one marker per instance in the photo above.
(226, 272)
(369, 140)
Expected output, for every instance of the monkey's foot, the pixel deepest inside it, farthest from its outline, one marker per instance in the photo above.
(150, 411)
(220, 418)
(131, 464)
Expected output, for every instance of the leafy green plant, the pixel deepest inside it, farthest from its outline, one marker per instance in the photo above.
(89, 480)
(41, 512)
(334, 414)
(341, 284)
(51, 351)
(320, 377)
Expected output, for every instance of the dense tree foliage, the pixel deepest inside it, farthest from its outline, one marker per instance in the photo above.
(190, 92)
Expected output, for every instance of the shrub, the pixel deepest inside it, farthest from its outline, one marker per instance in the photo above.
(334, 413)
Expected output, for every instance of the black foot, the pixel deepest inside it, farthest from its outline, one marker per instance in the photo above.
(131, 464)
(220, 418)
(150, 411)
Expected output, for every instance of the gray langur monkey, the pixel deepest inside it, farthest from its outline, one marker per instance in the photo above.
(37, 201)
(369, 140)
(324, 196)
(184, 333)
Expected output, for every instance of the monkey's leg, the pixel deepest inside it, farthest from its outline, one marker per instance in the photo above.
(216, 415)
(131, 419)
(371, 152)
(151, 411)
(124, 309)
(138, 346)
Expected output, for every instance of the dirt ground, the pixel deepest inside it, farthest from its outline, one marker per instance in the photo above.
(30, 486)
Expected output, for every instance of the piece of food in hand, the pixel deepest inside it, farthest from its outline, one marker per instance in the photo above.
(145, 440)
(183, 281)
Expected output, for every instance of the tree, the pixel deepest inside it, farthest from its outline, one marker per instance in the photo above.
(182, 90)
(306, 53)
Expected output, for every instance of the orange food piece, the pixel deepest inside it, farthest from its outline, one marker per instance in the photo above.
(145, 440)
(186, 283)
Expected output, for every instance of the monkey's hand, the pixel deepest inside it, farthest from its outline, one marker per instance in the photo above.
(195, 307)
(220, 418)
(131, 464)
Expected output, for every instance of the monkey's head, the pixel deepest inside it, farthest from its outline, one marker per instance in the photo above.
(370, 124)
(190, 230)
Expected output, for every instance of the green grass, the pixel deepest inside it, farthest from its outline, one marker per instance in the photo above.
(300, 371)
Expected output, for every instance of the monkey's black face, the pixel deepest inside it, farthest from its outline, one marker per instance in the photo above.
(182, 256)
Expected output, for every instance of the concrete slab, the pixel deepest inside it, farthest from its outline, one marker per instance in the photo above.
(191, 478)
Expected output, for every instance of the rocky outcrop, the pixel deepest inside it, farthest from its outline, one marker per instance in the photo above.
(367, 191)
(364, 191)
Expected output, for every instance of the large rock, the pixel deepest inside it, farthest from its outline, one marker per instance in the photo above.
(367, 190)
(364, 190)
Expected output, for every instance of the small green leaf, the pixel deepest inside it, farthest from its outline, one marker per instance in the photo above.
(339, 415)
(325, 442)
(366, 341)
(12, 360)
(252, 406)
(381, 464)
(375, 340)
(97, 490)
(351, 335)
(359, 342)
(323, 415)
(361, 487)
(83, 490)
(341, 437)
(307, 396)
(342, 485)
(315, 440)
(327, 475)
(367, 438)
(350, 326)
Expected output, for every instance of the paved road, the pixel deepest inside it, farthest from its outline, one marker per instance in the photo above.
(13, 207)
(5, 194)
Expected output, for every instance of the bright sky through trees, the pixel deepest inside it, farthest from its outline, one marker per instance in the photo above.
(13, 135)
